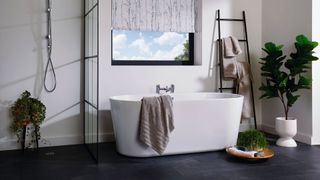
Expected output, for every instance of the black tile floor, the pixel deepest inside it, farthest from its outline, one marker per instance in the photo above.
(74, 163)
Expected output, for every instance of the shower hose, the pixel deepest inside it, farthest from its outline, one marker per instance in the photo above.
(49, 64)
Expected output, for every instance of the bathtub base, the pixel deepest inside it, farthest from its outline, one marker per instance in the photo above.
(149, 152)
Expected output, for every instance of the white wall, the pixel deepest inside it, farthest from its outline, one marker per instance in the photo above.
(316, 74)
(23, 57)
(282, 21)
(117, 80)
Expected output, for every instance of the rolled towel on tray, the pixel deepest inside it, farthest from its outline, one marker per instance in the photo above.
(245, 154)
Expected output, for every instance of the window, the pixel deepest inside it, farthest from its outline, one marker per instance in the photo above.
(151, 48)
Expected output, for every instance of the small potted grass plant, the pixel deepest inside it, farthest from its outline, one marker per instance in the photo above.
(283, 79)
(252, 140)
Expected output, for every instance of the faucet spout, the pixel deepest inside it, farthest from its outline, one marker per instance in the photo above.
(166, 89)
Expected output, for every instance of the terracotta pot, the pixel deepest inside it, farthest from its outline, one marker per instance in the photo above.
(286, 129)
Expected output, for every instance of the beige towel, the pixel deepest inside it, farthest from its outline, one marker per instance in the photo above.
(230, 49)
(156, 122)
(244, 87)
(236, 46)
(240, 71)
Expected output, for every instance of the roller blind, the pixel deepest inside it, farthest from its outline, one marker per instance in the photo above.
(154, 15)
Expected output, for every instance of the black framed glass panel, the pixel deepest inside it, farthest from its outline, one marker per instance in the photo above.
(91, 78)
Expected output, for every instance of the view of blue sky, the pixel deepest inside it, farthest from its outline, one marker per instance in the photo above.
(138, 45)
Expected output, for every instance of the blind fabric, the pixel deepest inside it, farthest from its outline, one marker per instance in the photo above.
(154, 15)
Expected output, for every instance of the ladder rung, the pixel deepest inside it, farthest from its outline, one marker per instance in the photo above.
(240, 40)
(229, 19)
(227, 88)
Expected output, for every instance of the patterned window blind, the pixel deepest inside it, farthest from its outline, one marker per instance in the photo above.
(154, 15)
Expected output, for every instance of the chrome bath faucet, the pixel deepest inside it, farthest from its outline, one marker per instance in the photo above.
(166, 89)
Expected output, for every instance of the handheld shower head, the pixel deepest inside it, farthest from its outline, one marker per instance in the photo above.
(49, 64)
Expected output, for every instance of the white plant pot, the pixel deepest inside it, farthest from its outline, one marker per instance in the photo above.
(286, 129)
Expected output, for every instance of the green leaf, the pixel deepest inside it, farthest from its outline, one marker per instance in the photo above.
(314, 44)
(280, 47)
(302, 39)
(283, 82)
(291, 99)
(304, 82)
(265, 50)
(269, 46)
(269, 91)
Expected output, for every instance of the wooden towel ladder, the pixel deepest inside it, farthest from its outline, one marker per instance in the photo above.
(234, 88)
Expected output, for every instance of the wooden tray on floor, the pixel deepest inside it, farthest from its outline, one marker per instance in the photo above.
(268, 153)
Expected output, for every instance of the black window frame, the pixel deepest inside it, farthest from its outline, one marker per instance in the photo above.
(155, 62)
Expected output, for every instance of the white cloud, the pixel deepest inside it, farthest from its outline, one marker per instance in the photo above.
(116, 54)
(141, 45)
(119, 41)
(168, 55)
(139, 58)
(177, 50)
(170, 38)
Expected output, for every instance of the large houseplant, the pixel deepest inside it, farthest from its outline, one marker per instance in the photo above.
(284, 78)
(27, 111)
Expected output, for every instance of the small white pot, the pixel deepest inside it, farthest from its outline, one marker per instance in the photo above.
(286, 129)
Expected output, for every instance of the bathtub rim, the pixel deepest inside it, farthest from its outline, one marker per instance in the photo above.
(138, 97)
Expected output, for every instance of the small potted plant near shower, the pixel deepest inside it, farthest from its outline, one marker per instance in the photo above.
(28, 113)
(284, 77)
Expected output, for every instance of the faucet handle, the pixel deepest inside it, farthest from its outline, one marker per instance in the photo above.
(172, 88)
(158, 88)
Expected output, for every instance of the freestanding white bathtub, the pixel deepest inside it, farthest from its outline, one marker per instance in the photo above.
(203, 122)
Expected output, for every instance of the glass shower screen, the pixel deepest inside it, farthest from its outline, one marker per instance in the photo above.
(91, 78)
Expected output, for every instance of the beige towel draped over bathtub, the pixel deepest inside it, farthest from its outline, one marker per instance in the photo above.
(237, 70)
(156, 122)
